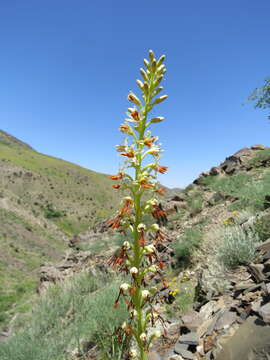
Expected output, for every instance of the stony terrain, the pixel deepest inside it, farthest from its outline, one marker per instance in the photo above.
(216, 312)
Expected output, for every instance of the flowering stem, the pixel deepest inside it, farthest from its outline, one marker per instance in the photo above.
(141, 260)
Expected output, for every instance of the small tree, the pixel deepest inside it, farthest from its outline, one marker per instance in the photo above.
(139, 257)
(261, 96)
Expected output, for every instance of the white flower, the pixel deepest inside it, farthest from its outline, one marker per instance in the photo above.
(133, 271)
(126, 245)
(133, 313)
(143, 337)
(145, 294)
(133, 353)
(141, 227)
(124, 325)
(124, 287)
(127, 198)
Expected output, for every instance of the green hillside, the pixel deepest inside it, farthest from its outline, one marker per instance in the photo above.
(43, 202)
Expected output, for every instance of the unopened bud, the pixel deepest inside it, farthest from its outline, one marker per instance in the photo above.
(124, 325)
(154, 227)
(140, 84)
(160, 60)
(160, 99)
(146, 63)
(144, 75)
(151, 55)
(153, 268)
(157, 119)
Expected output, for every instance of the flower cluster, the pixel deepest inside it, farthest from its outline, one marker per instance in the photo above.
(139, 257)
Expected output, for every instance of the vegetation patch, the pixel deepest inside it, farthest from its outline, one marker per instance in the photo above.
(73, 316)
(260, 157)
(237, 246)
(185, 246)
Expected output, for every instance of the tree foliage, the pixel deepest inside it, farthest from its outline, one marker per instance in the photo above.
(261, 96)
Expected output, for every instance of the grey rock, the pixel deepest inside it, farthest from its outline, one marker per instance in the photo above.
(265, 313)
(215, 170)
(256, 271)
(225, 320)
(181, 350)
(265, 246)
(189, 339)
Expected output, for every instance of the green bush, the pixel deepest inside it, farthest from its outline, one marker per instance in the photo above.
(185, 246)
(238, 246)
(262, 227)
(195, 203)
(51, 213)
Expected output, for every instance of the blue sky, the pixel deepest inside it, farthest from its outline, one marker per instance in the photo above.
(66, 68)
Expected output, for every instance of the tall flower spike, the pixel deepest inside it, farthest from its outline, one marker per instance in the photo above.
(138, 257)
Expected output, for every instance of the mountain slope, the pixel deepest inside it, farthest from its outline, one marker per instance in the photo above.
(43, 202)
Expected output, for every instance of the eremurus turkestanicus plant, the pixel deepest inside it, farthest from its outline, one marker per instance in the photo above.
(139, 257)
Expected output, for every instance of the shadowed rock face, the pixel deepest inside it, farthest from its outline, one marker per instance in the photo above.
(250, 342)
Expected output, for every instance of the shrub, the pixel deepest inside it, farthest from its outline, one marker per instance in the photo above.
(185, 246)
(51, 213)
(195, 203)
(238, 246)
(262, 227)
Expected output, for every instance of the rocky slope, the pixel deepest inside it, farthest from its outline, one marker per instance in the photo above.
(225, 305)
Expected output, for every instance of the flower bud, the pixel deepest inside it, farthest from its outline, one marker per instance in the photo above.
(120, 148)
(157, 119)
(151, 55)
(160, 99)
(140, 84)
(160, 60)
(146, 63)
(153, 268)
(144, 75)
(145, 294)
(161, 69)
(154, 227)
(133, 98)
(124, 287)
(124, 325)
(133, 271)
(143, 337)
(158, 81)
